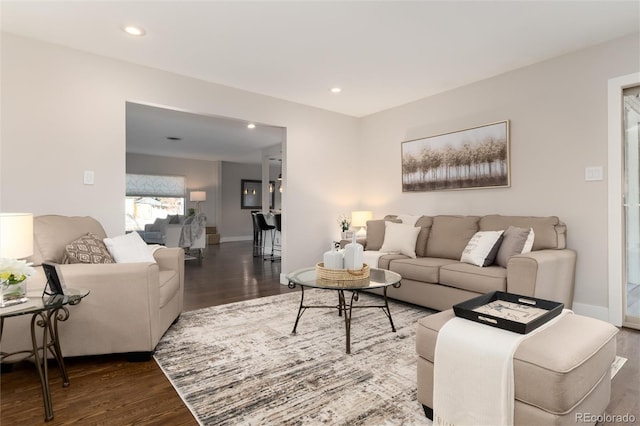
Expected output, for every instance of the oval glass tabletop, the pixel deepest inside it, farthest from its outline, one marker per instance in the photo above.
(378, 278)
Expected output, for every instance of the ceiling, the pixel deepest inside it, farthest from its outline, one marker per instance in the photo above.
(202, 137)
(382, 54)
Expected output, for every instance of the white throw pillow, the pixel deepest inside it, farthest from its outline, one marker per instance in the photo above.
(408, 219)
(482, 248)
(400, 238)
(129, 248)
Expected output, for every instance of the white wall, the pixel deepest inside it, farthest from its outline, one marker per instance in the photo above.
(558, 114)
(63, 111)
(200, 175)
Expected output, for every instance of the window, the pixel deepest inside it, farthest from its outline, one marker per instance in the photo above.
(150, 197)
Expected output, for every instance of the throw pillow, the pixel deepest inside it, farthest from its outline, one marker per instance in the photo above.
(408, 219)
(375, 234)
(87, 249)
(482, 248)
(516, 241)
(400, 238)
(129, 248)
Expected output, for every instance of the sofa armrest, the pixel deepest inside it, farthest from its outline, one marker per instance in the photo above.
(545, 274)
(170, 258)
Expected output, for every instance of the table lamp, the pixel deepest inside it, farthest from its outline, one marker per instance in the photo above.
(16, 242)
(16, 235)
(359, 220)
(198, 196)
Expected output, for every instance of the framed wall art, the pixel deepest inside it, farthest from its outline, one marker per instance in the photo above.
(251, 194)
(466, 159)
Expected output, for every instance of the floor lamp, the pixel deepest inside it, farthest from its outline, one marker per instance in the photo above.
(197, 197)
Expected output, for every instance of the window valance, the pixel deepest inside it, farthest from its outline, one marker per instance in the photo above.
(155, 185)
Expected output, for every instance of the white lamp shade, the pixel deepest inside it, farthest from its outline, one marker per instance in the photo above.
(360, 218)
(197, 196)
(16, 235)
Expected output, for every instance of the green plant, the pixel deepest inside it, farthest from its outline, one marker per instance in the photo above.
(344, 221)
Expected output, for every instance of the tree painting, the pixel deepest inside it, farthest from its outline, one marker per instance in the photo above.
(472, 158)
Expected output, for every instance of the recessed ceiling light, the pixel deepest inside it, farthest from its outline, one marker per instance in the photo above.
(134, 31)
(174, 138)
(251, 126)
(336, 90)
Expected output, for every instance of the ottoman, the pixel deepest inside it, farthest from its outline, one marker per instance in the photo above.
(559, 372)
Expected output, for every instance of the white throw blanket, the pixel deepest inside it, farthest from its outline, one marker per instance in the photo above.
(371, 257)
(473, 373)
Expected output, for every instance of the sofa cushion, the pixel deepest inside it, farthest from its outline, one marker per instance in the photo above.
(425, 269)
(129, 248)
(550, 232)
(474, 278)
(52, 233)
(425, 223)
(385, 261)
(482, 248)
(449, 235)
(515, 241)
(400, 238)
(87, 249)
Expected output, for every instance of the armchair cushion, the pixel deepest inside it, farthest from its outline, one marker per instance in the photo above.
(87, 249)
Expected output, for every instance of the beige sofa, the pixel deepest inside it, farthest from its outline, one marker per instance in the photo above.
(437, 279)
(129, 307)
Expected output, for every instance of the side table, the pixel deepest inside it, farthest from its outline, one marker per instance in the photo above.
(45, 313)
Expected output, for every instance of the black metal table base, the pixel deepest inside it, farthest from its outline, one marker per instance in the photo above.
(48, 321)
(343, 307)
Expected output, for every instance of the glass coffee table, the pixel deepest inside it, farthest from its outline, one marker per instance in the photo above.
(378, 278)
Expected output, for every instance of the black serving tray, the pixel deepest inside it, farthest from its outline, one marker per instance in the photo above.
(466, 310)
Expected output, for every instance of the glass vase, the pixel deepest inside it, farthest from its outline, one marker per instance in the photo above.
(13, 294)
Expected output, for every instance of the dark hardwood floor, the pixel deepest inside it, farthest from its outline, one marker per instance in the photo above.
(109, 390)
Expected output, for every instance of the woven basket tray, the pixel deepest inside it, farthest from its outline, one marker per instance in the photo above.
(342, 274)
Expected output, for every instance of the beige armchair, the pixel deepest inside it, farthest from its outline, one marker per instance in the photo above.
(129, 307)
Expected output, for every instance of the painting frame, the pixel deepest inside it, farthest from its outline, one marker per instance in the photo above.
(251, 194)
(474, 158)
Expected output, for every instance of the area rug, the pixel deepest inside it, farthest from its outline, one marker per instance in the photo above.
(239, 363)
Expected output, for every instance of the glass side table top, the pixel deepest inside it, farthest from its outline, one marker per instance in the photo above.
(378, 278)
(73, 296)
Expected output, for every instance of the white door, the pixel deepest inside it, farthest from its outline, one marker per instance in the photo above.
(631, 201)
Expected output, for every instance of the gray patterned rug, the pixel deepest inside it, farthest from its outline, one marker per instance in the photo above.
(239, 363)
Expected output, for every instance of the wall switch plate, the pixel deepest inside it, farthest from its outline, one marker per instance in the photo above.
(593, 173)
(88, 177)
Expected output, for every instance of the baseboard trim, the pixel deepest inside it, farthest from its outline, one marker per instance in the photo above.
(593, 311)
(232, 239)
(283, 278)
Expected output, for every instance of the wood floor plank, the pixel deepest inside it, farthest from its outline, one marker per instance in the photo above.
(109, 390)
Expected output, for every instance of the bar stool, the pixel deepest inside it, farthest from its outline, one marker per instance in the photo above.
(278, 220)
(265, 227)
(257, 235)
